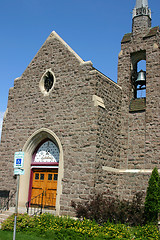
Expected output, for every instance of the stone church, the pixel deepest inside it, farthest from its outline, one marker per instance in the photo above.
(80, 131)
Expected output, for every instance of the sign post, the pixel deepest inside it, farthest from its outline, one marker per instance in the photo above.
(18, 164)
(16, 209)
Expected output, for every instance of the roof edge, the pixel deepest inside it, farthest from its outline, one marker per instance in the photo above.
(152, 32)
(107, 78)
(126, 38)
(55, 35)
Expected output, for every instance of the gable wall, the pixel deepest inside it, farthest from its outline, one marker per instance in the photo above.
(68, 111)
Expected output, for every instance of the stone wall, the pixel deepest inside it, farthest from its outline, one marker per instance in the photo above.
(140, 24)
(109, 120)
(140, 137)
(98, 141)
(68, 111)
(153, 100)
(131, 183)
(136, 141)
(124, 185)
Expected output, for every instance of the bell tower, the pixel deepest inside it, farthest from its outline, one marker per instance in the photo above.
(139, 77)
(141, 18)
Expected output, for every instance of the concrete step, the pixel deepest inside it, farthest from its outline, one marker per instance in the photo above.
(44, 210)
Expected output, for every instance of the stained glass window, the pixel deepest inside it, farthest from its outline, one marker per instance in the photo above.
(48, 152)
(48, 81)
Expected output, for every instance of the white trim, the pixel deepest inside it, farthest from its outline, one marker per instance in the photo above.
(155, 46)
(29, 149)
(138, 171)
(41, 83)
(87, 63)
(98, 101)
(5, 114)
(45, 167)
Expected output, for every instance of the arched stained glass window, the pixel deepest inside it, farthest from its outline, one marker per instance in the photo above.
(47, 152)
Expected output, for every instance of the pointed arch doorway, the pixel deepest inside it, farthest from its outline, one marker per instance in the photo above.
(44, 175)
(30, 166)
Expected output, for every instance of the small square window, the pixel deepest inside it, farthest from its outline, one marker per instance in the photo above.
(42, 176)
(36, 176)
(49, 176)
(55, 177)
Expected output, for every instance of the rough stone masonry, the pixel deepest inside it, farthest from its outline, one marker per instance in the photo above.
(107, 139)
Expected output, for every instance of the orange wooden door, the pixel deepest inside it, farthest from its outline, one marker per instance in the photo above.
(44, 181)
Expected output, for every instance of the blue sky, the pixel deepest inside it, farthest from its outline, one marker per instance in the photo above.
(92, 28)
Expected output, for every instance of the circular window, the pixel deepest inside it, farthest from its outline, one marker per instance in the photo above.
(47, 82)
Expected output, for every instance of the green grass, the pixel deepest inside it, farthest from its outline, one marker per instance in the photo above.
(7, 235)
(63, 235)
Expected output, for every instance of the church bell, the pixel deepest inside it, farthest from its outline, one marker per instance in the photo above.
(141, 79)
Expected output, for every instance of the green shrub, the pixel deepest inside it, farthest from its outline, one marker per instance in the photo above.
(147, 232)
(24, 223)
(152, 201)
(8, 224)
(48, 226)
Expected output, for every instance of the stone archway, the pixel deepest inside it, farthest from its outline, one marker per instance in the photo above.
(29, 149)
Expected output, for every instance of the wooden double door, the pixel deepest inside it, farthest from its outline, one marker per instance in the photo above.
(44, 181)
